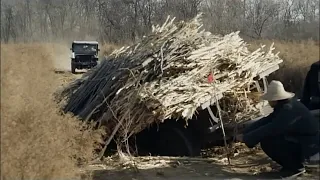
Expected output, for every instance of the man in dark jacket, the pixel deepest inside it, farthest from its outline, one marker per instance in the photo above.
(311, 89)
(289, 135)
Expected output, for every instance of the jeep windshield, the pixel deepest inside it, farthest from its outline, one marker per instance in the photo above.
(85, 48)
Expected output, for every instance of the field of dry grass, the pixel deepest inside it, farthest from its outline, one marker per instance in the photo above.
(297, 56)
(37, 141)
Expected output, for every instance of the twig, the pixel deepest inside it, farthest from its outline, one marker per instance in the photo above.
(222, 124)
(112, 134)
(224, 134)
(161, 64)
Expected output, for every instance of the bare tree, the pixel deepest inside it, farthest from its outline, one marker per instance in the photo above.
(7, 25)
(260, 12)
(125, 21)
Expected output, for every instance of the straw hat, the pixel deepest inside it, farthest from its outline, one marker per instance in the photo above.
(276, 92)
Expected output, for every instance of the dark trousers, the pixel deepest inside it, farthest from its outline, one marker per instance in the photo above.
(286, 153)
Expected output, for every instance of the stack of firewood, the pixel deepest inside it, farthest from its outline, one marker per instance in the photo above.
(169, 74)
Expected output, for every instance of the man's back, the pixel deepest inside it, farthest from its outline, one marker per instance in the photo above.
(289, 135)
(306, 130)
(302, 126)
(290, 118)
(306, 124)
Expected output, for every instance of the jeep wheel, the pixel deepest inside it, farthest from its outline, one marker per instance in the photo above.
(173, 141)
(73, 68)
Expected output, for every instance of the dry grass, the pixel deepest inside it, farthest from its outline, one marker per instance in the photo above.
(37, 142)
(297, 56)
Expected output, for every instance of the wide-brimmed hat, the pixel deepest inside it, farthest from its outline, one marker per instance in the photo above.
(276, 92)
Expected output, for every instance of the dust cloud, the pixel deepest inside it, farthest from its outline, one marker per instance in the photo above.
(61, 59)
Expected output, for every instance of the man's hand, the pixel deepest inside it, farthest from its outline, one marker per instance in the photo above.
(239, 137)
(241, 126)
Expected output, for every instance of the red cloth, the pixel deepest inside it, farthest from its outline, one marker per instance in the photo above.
(210, 78)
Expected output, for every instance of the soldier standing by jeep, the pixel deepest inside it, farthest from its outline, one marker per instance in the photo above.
(311, 89)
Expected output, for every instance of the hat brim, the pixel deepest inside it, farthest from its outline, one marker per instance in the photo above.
(276, 97)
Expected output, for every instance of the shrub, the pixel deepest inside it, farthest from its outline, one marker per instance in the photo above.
(37, 140)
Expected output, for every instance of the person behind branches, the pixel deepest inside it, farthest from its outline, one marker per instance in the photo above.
(311, 89)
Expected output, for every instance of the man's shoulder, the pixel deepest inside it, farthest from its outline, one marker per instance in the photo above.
(295, 105)
(289, 106)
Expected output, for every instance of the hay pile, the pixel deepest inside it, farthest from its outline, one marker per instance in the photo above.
(169, 74)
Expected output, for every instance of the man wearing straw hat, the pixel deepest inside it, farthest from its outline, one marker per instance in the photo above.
(289, 135)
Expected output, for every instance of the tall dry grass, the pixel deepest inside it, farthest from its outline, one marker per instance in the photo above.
(297, 56)
(37, 141)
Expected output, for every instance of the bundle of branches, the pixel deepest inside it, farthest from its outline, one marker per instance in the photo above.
(169, 74)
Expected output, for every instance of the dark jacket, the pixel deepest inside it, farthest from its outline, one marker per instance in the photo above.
(290, 119)
(311, 89)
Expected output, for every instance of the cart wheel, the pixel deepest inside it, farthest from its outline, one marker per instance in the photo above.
(173, 141)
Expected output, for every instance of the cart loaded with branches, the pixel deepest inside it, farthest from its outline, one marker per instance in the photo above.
(175, 89)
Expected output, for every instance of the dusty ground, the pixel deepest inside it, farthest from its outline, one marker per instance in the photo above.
(246, 164)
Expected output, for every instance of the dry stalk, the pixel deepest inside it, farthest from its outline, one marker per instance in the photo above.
(111, 136)
(164, 77)
(224, 133)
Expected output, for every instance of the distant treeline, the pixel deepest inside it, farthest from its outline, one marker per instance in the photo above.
(123, 21)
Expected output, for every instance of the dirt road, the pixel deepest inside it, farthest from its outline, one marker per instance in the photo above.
(245, 166)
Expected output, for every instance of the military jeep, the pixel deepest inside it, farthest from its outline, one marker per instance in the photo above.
(84, 55)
